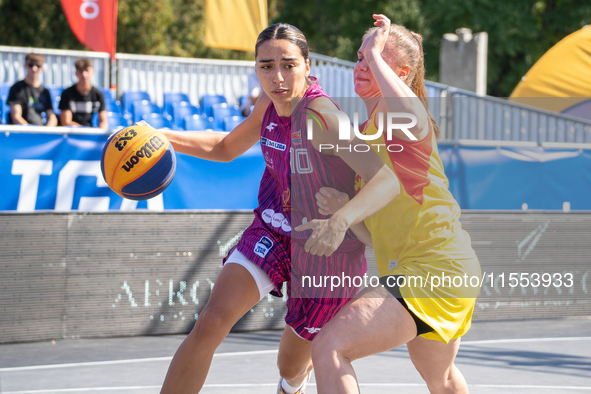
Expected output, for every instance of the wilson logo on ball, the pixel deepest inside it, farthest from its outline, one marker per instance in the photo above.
(138, 162)
(145, 151)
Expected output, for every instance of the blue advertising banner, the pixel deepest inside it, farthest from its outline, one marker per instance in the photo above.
(518, 178)
(62, 172)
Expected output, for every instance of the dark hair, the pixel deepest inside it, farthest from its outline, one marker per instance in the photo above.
(83, 64)
(35, 57)
(283, 31)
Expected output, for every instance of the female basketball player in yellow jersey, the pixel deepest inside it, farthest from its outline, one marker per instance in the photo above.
(417, 236)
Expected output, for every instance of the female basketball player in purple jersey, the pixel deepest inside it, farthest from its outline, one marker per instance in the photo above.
(266, 257)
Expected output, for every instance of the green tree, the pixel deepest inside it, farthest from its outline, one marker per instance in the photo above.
(149, 27)
(35, 23)
(335, 27)
(519, 32)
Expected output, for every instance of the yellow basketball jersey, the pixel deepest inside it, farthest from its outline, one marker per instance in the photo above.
(419, 234)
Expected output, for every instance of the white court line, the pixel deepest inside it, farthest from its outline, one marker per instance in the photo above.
(233, 354)
(128, 361)
(529, 386)
(86, 364)
(496, 386)
(525, 340)
(87, 389)
(245, 385)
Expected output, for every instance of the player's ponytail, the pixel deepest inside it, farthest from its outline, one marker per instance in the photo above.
(418, 82)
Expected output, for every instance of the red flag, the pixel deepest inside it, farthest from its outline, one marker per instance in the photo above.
(94, 22)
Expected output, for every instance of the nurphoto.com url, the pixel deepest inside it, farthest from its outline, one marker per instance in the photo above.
(433, 282)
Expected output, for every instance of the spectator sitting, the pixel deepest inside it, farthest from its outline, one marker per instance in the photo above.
(254, 91)
(29, 99)
(80, 101)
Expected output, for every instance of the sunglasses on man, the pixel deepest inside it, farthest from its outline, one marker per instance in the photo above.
(31, 65)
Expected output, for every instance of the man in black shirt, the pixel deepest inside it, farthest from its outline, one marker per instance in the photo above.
(79, 102)
(28, 99)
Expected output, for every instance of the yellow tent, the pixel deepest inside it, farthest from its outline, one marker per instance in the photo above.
(561, 80)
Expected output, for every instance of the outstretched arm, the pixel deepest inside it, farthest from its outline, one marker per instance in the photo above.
(219, 146)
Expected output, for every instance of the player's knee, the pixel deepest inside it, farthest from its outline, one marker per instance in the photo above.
(437, 381)
(325, 346)
(428, 375)
(289, 371)
(212, 322)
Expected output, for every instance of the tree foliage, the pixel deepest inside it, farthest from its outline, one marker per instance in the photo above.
(520, 32)
(149, 27)
(35, 23)
(335, 27)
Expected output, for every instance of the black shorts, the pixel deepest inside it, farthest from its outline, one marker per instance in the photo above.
(422, 327)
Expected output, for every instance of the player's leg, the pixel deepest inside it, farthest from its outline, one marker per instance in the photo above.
(435, 362)
(235, 293)
(294, 360)
(372, 323)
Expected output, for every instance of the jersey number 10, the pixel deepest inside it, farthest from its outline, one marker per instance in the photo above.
(300, 161)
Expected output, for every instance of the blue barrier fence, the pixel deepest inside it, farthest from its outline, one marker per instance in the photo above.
(518, 177)
(61, 172)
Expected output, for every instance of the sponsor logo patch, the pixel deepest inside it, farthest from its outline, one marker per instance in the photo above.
(285, 226)
(269, 161)
(296, 136)
(286, 198)
(271, 126)
(277, 219)
(392, 264)
(312, 330)
(273, 144)
(267, 215)
(263, 247)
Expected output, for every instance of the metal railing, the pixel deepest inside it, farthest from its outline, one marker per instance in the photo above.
(58, 69)
(335, 75)
(461, 115)
(195, 77)
(489, 118)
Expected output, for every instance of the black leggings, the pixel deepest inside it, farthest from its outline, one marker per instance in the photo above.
(422, 327)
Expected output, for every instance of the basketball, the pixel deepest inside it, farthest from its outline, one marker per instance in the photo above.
(138, 162)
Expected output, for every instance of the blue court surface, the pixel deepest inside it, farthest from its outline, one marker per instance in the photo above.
(528, 356)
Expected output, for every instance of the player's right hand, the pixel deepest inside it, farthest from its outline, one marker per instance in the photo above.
(330, 200)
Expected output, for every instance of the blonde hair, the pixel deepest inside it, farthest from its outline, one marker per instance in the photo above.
(407, 46)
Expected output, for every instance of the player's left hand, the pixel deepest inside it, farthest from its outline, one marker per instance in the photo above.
(326, 236)
(376, 41)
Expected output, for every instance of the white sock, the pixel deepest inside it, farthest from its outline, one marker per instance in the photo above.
(289, 389)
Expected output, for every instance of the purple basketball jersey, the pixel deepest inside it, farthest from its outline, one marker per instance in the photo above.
(296, 171)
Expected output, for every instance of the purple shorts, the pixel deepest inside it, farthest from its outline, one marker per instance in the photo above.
(312, 298)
